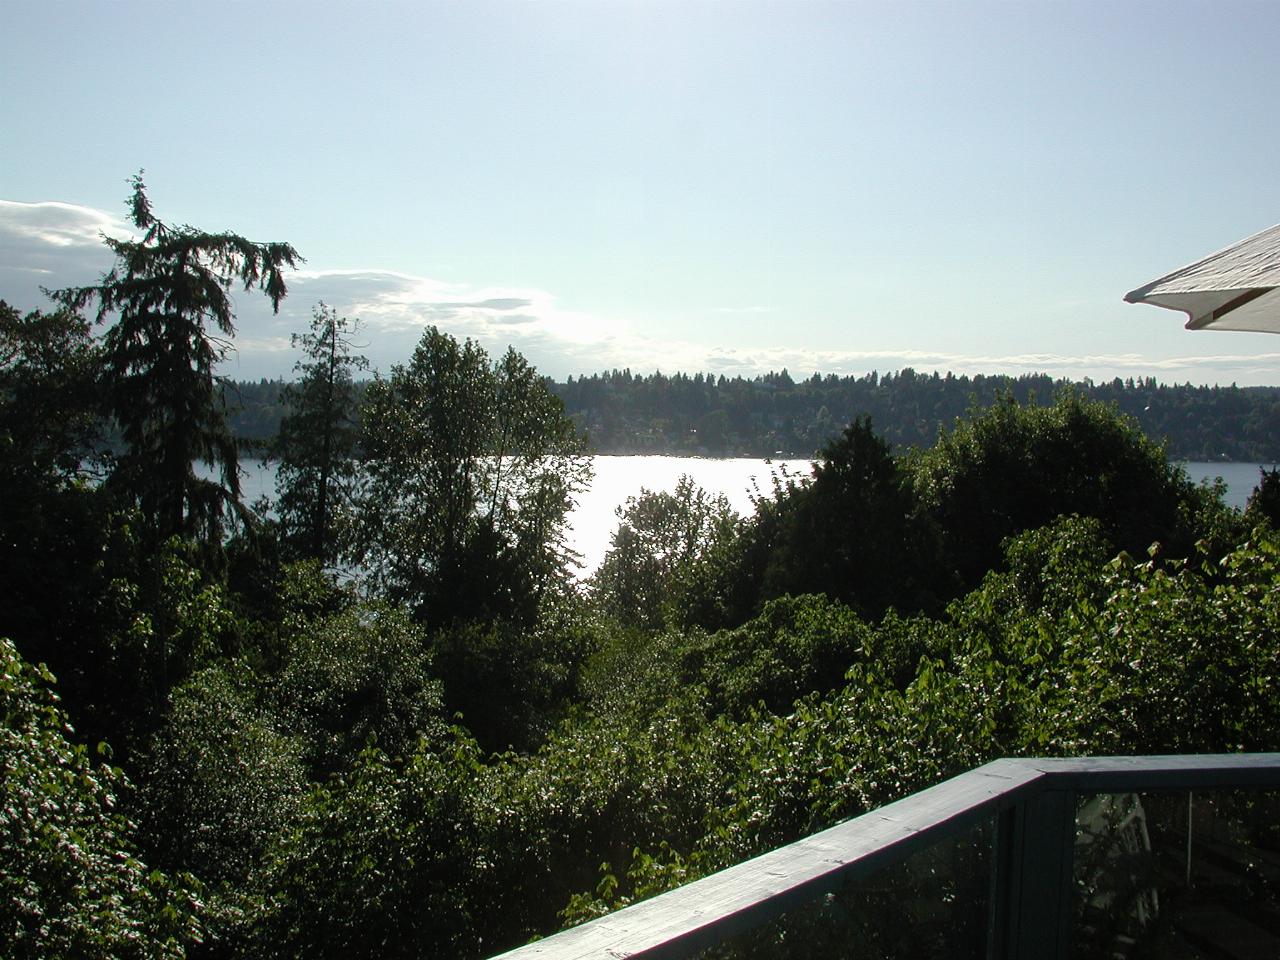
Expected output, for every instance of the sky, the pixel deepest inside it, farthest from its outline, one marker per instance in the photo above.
(730, 188)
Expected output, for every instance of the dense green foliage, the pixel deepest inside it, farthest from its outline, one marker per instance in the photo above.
(851, 533)
(450, 746)
(1017, 467)
(775, 415)
(71, 884)
(48, 368)
(49, 516)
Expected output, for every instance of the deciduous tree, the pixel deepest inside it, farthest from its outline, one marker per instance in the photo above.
(53, 525)
(470, 471)
(48, 402)
(649, 572)
(1017, 467)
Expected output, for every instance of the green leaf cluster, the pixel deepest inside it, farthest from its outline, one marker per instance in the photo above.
(71, 881)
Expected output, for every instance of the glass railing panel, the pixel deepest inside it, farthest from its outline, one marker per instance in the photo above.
(1178, 875)
(932, 903)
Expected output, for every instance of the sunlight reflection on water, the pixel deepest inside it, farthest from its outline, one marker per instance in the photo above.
(616, 478)
(592, 522)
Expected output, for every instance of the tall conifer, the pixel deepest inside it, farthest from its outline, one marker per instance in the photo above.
(170, 296)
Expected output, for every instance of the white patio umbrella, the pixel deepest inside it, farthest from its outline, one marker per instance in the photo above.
(1237, 288)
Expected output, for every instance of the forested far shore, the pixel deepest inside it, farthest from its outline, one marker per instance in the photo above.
(776, 415)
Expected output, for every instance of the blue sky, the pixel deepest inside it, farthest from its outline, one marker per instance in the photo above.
(730, 187)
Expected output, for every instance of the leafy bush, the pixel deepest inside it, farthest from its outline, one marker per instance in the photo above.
(71, 884)
(1064, 653)
(383, 861)
(221, 782)
(358, 675)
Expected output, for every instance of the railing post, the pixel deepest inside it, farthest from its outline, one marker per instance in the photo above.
(1032, 881)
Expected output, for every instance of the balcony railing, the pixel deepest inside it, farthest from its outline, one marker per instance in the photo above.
(1052, 845)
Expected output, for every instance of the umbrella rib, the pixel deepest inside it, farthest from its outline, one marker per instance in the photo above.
(1232, 304)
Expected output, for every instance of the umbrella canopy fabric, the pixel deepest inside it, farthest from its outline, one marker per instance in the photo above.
(1237, 288)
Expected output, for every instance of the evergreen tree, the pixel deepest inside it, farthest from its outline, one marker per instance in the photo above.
(849, 533)
(1264, 501)
(166, 291)
(317, 439)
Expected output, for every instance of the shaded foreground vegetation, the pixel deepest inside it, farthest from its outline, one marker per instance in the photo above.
(244, 754)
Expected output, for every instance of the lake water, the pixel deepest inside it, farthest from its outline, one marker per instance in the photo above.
(1241, 478)
(616, 478)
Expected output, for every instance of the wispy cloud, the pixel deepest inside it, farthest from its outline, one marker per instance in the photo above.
(51, 245)
(58, 244)
(269, 345)
(60, 224)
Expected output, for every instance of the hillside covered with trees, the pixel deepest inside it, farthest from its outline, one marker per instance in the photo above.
(385, 721)
(774, 415)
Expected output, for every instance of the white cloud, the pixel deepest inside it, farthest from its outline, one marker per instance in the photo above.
(60, 224)
(51, 245)
(58, 244)
(394, 308)
(264, 344)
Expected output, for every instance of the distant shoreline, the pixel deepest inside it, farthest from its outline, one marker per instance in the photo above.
(623, 414)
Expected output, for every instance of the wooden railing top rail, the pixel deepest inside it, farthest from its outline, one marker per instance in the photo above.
(682, 921)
